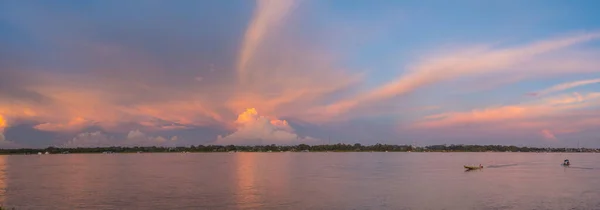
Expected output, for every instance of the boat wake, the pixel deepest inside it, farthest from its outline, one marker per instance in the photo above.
(502, 166)
(584, 168)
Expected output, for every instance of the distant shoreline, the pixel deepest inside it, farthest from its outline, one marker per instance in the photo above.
(295, 148)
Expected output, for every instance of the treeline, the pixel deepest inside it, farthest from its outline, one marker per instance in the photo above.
(500, 148)
(217, 148)
(297, 148)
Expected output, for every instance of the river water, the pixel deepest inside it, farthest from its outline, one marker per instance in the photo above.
(300, 181)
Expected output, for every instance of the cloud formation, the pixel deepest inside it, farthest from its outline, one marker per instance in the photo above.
(133, 138)
(75, 124)
(119, 86)
(470, 62)
(548, 117)
(254, 129)
(2, 124)
(267, 17)
(548, 134)
(90, 139)
(138, 138)
(563, 104)
(566, 86)
(159, 79)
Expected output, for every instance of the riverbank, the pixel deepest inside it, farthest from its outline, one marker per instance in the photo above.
(295, 148)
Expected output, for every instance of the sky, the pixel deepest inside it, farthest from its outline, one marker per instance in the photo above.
(179, 73)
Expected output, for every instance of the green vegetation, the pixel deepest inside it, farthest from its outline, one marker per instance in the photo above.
(298, 148)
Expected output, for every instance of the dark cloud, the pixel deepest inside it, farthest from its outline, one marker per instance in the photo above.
(25, 135)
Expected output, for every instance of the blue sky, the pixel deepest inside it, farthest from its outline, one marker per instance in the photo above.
(89, 73)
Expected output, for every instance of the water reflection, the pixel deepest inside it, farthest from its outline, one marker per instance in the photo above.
(75, 179)
(247, 193)
(2, 178)
(295, 181)
(263, 179)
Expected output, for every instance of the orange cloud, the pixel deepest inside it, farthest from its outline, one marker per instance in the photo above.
(254, 129)
(247, 116)
(2, 123)
(2, 126)
(12, 112)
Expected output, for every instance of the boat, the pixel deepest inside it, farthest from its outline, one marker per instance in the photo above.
(566, 163)
(473, 167)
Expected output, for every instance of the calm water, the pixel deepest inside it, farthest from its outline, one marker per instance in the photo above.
(300, 181)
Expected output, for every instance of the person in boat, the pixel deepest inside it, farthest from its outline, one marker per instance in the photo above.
(566, 162)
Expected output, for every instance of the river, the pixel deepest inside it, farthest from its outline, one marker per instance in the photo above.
(300, 181)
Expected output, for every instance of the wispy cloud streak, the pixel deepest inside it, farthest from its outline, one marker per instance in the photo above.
(268, 15)
(566, 86)
(474, 61)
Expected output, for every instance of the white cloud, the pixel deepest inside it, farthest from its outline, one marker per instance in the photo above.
(254, 129)
(135, 134)
(90, 139)
(138, 138)
(567, 85)
(133, 138)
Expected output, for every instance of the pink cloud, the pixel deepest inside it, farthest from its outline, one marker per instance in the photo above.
(549, 117)
(126, 88)
(548, 134)
(267, 17)
(541, 108)
(253, 129)
(281, 74)
(469, 62)
(74, 124)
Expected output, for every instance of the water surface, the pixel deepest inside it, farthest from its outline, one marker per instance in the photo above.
(300, 181)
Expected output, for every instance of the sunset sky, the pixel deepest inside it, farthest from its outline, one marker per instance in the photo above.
(148, 72)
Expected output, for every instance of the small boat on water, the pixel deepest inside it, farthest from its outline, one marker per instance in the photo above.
(473, 167)
(566, 163)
